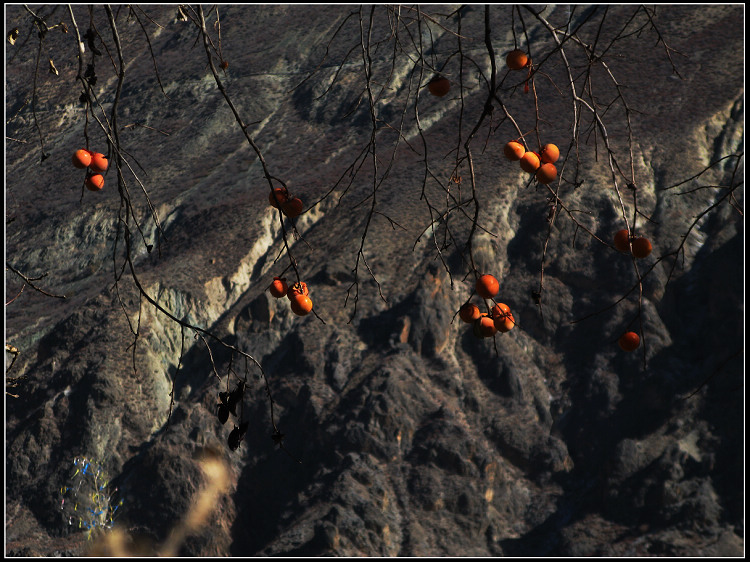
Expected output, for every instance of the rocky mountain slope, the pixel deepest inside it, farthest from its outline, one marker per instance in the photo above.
(404, 434)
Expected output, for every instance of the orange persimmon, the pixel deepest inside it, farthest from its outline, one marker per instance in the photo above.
(516, 59)
(487, 286)
(278, 287)
(550, 153)
(95, 182)
(98, 162)
(514, 150)
(301, 304)
(546, 173)
(530, 162)
(81, 158)
(469, 312)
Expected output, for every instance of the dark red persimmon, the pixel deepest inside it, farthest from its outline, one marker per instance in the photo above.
(439, 86)
(293, 208)
(641, 247)
(621, 241)
(516, 59)
(629, 341)
(281, 195)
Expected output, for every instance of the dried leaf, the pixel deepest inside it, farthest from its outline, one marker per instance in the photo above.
(52, 69)
(13, 35)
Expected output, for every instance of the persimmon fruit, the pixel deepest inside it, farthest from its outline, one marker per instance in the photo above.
(299, 288)
(469, 312)
(278, 287)
(281, 195)
(514, 151)
(546, 173)
(629, 341)
(484, 326)
(550, 153)
(301, 304)
(500, 309)
(530, 162)
(516, 59)
(98, 162)
(439, 86)
(81, 158)
(504, 323)
(293, 208)
(487, 286)
(95, 182)
(621, 241)
(641, 247)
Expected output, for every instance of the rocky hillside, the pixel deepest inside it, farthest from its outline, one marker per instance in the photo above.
(403, 433)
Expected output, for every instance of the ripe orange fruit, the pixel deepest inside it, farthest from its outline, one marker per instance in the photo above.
(530, 162)
(484, 327)
(550, 153)
(98, 162)
(621, 241)
(278, 287)
(629, 341)
(487, 286)
(546, 173)
(514, 150)
(95, 182)
(299, 288)
(439, 86)
(282, 195)
(505, 323)
(301, 304)
(641, 247)
(516, 59)
(293, 208)
(81, 158)
(500, 309)
(469, 312)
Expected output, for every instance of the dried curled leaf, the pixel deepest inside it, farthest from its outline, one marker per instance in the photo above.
(13, 35)
(52, 69)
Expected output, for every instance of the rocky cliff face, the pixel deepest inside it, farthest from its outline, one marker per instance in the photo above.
(404, 433)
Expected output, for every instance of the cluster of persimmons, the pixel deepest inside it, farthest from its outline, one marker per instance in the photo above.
(96, 163)
(484, 324)
(298, 295)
